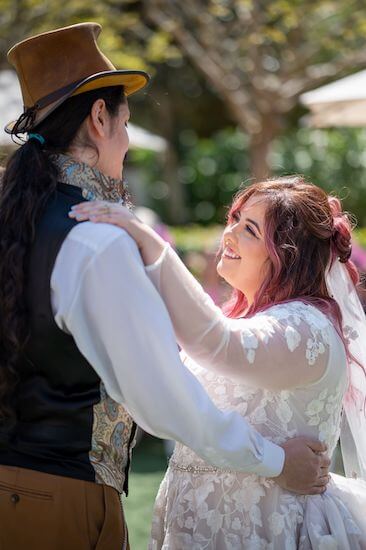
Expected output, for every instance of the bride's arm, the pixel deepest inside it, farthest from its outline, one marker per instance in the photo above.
(285, 347)
(274, 351)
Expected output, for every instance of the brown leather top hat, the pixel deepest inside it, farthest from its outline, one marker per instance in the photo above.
(56, 65)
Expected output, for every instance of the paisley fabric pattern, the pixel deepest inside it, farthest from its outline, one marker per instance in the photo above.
(111, 446)
(94, 184)
(203, 508)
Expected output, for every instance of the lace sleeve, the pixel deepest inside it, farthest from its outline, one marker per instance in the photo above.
(287, 346)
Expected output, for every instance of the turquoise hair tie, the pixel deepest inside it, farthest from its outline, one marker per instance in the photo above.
(38, 137)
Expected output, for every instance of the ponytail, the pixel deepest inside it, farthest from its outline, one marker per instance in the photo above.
(29, 180)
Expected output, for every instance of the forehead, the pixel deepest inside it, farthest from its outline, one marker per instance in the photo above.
(255, 207)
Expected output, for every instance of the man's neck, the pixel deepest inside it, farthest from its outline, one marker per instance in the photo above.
(94, 184)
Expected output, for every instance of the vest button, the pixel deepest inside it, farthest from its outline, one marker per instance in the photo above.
(15, 498)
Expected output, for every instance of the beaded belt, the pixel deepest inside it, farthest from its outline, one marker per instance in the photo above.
(198, 469)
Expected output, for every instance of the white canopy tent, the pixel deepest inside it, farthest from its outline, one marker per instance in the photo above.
(11, 105)
(341, 103)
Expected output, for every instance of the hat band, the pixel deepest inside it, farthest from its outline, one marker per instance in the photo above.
(54, 96)
(26, 120)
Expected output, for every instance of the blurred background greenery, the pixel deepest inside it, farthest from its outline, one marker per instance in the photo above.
(211, 169)
(149, 465)
(227, 76)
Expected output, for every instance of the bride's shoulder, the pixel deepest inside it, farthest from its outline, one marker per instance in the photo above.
(298, 312)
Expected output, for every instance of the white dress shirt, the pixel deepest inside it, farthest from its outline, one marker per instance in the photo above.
(102, 296)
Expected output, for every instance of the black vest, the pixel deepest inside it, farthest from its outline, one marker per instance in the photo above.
(58, 388)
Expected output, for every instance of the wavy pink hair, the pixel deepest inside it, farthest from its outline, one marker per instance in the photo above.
(304, 230)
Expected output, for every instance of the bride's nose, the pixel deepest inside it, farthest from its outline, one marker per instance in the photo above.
(229, 237)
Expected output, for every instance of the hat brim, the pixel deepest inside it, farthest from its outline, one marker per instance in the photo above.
(132, 81)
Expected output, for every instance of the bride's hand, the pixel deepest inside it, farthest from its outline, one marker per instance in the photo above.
(103, 212)
(149, 242)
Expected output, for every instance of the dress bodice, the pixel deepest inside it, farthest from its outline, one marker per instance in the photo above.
(313, 410)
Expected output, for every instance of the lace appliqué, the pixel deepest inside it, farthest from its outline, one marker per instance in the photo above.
(295, 313)
(325, 412)
(250, 338)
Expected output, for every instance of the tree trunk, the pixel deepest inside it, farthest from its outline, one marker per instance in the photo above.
(177, 212)
(176, 199)
(259, 150)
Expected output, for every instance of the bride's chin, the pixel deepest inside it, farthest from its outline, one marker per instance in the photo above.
(219, 268)
(223, 272)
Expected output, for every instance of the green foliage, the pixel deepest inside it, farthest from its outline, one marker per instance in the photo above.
(196, 238)
(360, 234)
(126, 39)
(212, 170)
(148, 466)
(286, 46)
(334, 159)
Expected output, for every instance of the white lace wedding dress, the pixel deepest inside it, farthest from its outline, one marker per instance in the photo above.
(285, 371)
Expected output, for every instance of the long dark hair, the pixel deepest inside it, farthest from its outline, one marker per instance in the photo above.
(29, 180)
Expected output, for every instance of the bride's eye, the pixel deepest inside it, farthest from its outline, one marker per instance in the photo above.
(250, 230)
(126, 124)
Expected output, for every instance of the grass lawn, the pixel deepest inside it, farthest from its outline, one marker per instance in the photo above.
(148, 466)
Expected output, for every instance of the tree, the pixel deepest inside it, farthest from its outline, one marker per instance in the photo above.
(261, 55)
(124, 37)
(257, 56)
(126, 40)
(166, 107)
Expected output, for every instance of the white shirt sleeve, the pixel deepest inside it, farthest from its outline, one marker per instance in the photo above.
(102, 296)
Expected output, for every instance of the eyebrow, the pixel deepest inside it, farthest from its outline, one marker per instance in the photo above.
(255, 224)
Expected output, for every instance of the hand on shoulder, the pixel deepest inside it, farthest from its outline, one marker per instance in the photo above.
(150, 244)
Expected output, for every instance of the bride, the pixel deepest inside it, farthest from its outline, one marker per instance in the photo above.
(287, 352)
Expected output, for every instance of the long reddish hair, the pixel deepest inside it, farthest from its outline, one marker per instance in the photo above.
(304, 230)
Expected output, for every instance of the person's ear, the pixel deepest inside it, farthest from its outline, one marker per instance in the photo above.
(99, 119)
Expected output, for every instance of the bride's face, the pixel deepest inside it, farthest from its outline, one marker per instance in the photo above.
(244, 260)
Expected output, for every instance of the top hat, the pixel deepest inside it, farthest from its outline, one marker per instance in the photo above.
(56, 65)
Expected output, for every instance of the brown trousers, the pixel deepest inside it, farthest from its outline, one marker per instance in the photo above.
(45, 512)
